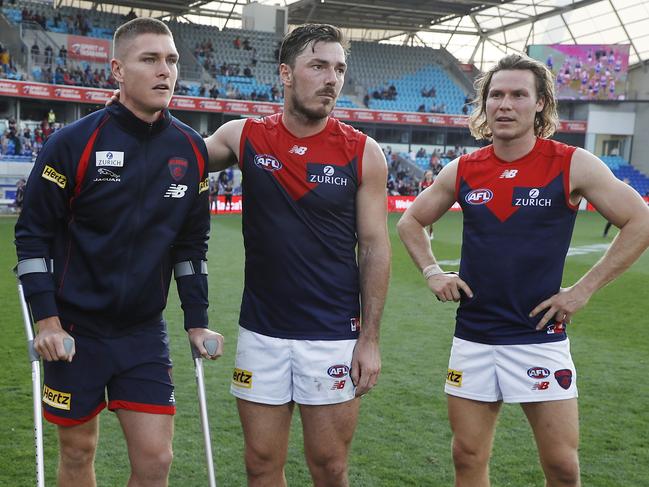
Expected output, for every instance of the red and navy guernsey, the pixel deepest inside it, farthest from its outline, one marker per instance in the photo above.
(299, 228)
(116, 202)
(518, 222)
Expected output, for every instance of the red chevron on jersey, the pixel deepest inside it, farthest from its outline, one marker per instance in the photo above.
(299, 229)
(492, 182)
(518, 222)
(291, 159)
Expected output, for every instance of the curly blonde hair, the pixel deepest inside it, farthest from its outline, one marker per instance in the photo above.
(545, 121)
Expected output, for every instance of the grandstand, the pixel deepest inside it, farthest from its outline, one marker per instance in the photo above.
(225, 62)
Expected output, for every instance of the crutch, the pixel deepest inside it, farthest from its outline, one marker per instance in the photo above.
(211, 346)
(34, 358)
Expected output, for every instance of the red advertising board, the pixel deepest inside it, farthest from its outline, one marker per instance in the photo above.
(27, 89)
(88, 48)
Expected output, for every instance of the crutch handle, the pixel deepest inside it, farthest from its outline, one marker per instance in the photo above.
(211, 345)
(68, 344)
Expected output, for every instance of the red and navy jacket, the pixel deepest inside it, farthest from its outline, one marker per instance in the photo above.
(518, 222)
(114, 203)
(299, 229)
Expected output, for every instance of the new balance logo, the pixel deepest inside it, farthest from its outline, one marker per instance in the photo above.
(296, 149)
(509, 174)
(176, 191)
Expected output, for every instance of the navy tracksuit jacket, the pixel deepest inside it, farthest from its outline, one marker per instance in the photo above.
(115, 202)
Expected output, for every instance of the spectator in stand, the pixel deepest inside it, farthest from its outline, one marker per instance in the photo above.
(421, 108)
(274, 93)
(246, 44)
(20, 195)
(366, 100)
(35, 51)
(5, 59)
(429, 93)
(247, 72)
(63, 54)
(435, 163)
(421, 153)
(48, 54)
(237, 43)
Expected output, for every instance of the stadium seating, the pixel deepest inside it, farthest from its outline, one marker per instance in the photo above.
(374, 66)
(623, 170)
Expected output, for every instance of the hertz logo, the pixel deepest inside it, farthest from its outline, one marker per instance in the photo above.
(454, 378)
(203, 185)
(56, 399)
(51, 175)
(242, 378)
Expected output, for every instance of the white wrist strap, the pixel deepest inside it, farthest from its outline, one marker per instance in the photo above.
(431, 270)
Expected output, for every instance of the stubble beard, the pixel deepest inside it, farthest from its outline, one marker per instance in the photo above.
(307, 114)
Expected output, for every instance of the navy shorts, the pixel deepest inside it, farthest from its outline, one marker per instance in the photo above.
(134, 371)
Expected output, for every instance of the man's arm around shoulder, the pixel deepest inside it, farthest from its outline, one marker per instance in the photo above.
(223, 145)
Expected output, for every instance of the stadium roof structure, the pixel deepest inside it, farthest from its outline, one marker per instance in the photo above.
(474, 31)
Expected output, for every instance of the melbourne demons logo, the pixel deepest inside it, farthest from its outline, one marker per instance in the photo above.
(479, 196)
(268, 163)
(177, 167)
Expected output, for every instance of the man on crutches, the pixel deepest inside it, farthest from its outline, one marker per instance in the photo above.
(117, 201)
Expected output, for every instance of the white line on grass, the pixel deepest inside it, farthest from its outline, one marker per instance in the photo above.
(582, 250)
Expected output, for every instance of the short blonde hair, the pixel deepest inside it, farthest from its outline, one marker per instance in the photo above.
(545, 121)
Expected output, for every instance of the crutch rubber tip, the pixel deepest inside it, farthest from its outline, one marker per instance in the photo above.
(211, 345)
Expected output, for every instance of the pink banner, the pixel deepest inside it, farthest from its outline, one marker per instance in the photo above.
(88, 48)
(25, 89)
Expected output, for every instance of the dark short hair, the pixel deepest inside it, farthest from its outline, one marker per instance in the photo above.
(299, 38)
(137, 27)
(545, 122)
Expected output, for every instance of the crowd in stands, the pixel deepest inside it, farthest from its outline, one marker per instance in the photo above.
(7, 67)
(19, 140)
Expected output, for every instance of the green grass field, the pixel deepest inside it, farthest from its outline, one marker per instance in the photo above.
(403, 437)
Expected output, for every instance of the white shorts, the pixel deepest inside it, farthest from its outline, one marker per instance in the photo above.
(275, 371)
(511, 373)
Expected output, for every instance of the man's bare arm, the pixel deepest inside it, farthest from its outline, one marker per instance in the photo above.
(223, 145)
(619, 204)
(427, 208)
(374, 265)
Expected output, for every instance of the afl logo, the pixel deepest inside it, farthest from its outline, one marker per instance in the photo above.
(538, 372)
(479, 196)
(328, 171)
(268, 163)
(338, 371)
(534, 193)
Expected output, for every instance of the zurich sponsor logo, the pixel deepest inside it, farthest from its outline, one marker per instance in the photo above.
(538, 372)
(328, 171)
(479, 196)
(338, 371)
(267, 162)
(534, 193)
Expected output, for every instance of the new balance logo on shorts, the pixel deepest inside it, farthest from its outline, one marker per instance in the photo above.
(454, 378)
(242, 378)
(56, 399)
(176, 191)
